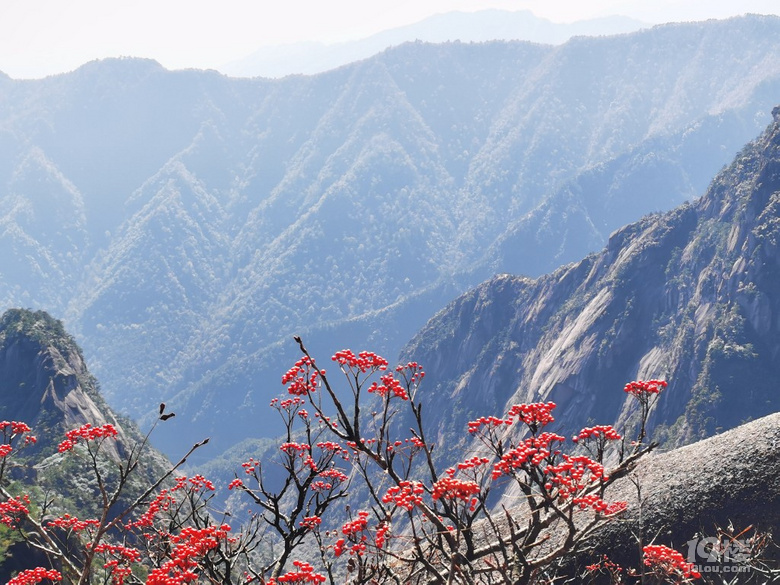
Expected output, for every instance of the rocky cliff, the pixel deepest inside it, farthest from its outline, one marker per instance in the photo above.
(692, 296)
(729, 480)
(45, 383)
(44, 380)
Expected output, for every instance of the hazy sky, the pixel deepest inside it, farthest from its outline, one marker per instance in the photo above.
(41, 37)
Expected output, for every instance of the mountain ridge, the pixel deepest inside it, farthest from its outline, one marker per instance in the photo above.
(222, 216)
(688, 295)
(481, 26)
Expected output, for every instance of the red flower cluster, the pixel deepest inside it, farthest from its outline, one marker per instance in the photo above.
(599, 505)
(11, 430)
(381, 534)
(472, 463)
(311, 522)
(608, 567)
(119, 564)
(412, 372)
(456, 489)
(389, 385)
(302, 378)
(295, 448)
(69, 522)
(16, 427)
(364, 361)
(606, 431)
(407, 494)
(304, 574)
(536, 413)
(486, 421)
(574, 474)
(86, 432)
(33, 576)
(189, 546)
(354, 532)
(668, 562)
(531, 452)
(645, 387)
(13, 510)
(357, 525)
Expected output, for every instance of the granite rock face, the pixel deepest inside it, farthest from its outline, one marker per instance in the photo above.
(727, 481)
(45, 383)
(691, 296)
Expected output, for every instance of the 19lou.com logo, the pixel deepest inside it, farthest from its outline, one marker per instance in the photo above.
(711, 555)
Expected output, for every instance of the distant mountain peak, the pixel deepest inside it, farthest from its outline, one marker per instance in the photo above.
(467, 27)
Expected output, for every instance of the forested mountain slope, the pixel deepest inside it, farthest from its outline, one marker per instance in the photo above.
(185, 224)
(691, 296)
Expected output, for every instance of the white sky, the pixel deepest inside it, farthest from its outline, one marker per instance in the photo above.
(42, 37)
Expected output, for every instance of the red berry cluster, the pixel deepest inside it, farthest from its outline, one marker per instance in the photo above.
(311, 522)
(451, 488)
(33, 576)
(16, 427)
(14, 509)
(195, 483)
(605, 431)
(69, 522)
(11, 430)
(486, 421)
(389, 386)
(86, 432)
(530, 453)
(294, 448)
(250, 466)
(412, 371)
(407, 494)
(574, 474)
(119, 560)
(536, 413)
(304, 574)
(302, 378)
(354, 531)
(189, 546)
(472, 463)
(607, 566)
(364, 361)
(381, 534)
(645, 387)
(596, 503)
(668, 562)
(357, 525)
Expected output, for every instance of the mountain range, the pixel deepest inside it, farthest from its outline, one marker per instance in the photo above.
(684, 492)
(472, 27)
(185, 225)
(691, 296)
